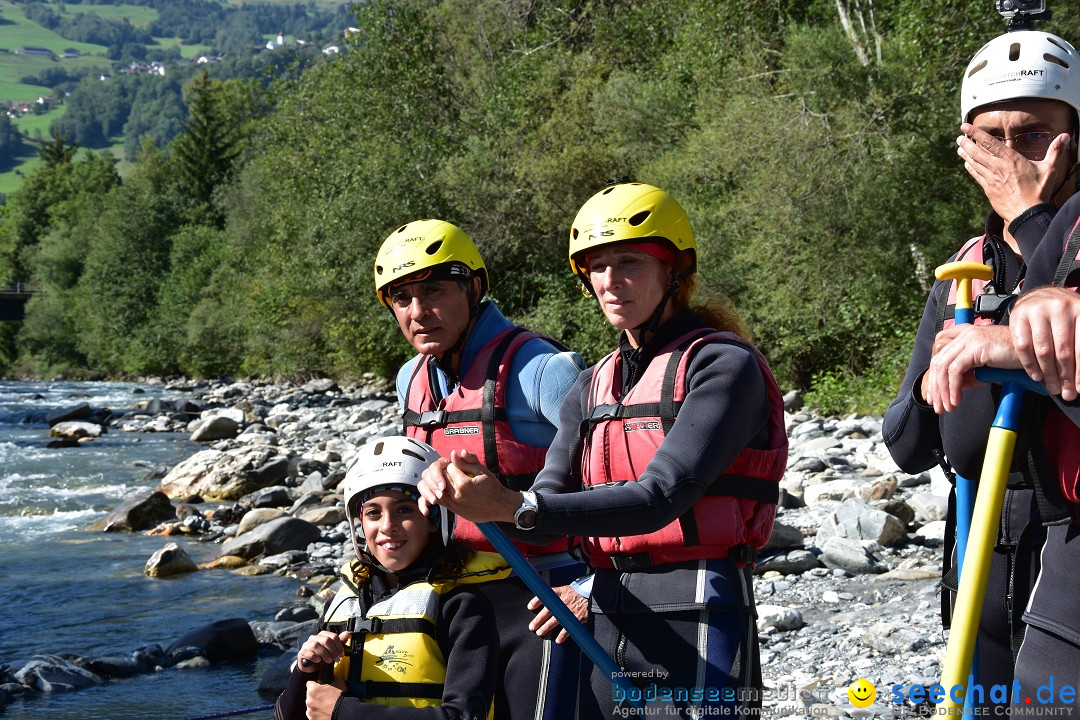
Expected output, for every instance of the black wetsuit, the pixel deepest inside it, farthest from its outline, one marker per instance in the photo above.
(918, 439)
(1050, 654)
(675, 627)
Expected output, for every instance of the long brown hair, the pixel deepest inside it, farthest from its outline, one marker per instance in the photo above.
(719, 314)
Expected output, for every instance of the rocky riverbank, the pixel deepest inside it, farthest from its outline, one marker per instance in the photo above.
(846, 589)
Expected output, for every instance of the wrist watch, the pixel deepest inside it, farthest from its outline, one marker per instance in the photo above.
(525, 517)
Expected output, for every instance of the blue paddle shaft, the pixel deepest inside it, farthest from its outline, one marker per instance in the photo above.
(563, 614)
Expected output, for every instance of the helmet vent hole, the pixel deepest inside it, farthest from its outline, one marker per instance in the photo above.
(1014, 51)
(608, 189)
(639, 218)
(574, 232)
(1056, 60)
(433, 247)
(413, 454)
(378, 449)
(379, 269)
(1053, 41)
(977, 68)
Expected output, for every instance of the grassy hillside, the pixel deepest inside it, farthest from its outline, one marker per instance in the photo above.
(16, 31)
(137, 16)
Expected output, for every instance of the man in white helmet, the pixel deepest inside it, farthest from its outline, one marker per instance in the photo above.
(1020, 100)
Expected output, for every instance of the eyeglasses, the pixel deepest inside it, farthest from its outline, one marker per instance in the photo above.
(1032, 145)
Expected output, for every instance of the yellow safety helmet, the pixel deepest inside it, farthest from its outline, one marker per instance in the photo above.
(424, 245)
(627, 212)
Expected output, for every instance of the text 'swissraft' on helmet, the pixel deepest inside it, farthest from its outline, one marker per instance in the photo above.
(1025, 64)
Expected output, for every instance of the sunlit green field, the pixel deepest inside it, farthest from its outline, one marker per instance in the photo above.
(137, 16)
(37, 126)
(16, 31)
(324, 4)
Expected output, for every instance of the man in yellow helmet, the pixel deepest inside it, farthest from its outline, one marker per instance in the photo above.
(482, 383)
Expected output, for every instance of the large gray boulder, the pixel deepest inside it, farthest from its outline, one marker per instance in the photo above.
(276, 536)
(856, 519)
(839, 553)
(217, 475)
(77, 412)
(231, 639)
(141, 512)
(49, 673)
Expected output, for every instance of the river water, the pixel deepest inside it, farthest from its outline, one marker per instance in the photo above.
(64, 589)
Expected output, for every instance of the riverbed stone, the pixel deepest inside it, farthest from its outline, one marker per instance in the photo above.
(324, 515)
(893, 638)
(169, 560)
(230, 639)
(271, 538)
(795, 562)
(257, 517)
(929, 507)
(51, 673)
(141, 512)
(118, 666)
(778, 617)
(75, 430)
(215, 427)
(218, 475)
(75, 412)
(857, 520)
(783, 536)
(847, 554)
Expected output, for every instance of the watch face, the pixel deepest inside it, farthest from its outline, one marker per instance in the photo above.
(525, 519)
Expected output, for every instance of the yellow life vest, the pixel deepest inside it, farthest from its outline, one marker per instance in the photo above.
(399, 661)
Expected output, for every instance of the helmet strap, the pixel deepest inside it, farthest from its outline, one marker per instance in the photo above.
(649, 327)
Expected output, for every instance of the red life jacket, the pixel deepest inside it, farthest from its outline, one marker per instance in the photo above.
(473, 417)
(985, 294)
(1061, 436)
(621, 436)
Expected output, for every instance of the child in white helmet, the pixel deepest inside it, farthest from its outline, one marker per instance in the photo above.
(408, 628)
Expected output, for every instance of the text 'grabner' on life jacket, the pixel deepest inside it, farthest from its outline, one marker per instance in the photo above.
(473, 417)
(393, 656)
(621, 435)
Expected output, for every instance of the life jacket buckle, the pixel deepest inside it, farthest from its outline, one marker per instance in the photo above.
(742, 554)
(605, 412)
(432, 418)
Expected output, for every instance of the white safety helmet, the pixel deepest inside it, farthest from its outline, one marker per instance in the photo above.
(389, 463)
(1018, 65)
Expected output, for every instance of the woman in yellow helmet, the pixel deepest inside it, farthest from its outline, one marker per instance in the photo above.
(666, 464)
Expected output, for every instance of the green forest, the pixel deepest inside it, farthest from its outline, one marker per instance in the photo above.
(812, 143)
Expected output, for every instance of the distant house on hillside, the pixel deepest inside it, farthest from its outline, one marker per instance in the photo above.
(70, 54)
(34, 50)
(331, 50)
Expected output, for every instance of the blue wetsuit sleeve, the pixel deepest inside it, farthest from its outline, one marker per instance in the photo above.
(401, 384)
(544, 377)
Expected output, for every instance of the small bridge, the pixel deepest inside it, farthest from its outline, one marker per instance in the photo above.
(13, 301)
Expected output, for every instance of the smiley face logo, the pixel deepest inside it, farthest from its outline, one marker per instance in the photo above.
(862, 693)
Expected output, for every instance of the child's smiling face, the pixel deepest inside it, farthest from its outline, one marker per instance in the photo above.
(395, 530)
